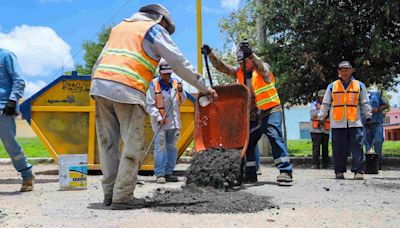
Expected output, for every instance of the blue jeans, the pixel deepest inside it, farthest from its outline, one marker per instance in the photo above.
(165, 152)
(271, 126)
(344, 142)
(14, 150)
(375, 136)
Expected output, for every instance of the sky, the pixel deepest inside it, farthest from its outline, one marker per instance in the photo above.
(47, 35)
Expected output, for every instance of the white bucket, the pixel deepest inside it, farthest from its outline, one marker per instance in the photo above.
(72, 171)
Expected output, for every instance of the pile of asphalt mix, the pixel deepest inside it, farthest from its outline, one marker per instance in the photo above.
(197, 200)
(218, 168)
(210, 175)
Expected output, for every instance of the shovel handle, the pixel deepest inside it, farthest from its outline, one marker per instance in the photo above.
(207, 68)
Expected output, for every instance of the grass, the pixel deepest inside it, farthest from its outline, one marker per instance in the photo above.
(299, 148)
(32, 147)
(302, 148)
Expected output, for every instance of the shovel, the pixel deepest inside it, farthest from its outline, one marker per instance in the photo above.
(162, 121)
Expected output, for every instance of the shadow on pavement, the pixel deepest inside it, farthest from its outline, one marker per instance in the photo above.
(19, 181)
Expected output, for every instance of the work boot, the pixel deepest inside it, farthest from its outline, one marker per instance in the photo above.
(358, 176)
(340, 176)
(250, 179)
(284, 177)
(27, 184)
(107, 200)
(171, 178)
(134, 203)
(315, 167)
(161, 180)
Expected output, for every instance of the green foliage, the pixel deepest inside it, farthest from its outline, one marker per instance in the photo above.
(92, 51)
(307, 39)
(32, 147)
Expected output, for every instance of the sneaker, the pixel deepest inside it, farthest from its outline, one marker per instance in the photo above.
(171, 178)
(27, 184)
(358, 176)
(135, 203)
(340, 176)
(258, 172)
(161, 180)
(284, 177)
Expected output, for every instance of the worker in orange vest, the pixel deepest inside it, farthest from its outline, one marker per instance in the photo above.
(164, 98)
(120, 79)
(319, 133)
(265, 110)
(347, 100)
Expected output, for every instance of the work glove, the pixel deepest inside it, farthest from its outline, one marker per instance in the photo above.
(179, 87)
(368, 123)
(205, 50)
(244, 51)
(321, 124)
(159, 120)
(10, 108)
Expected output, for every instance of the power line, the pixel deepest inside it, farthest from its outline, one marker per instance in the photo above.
(91, 38)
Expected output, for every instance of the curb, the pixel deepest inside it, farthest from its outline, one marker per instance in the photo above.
(7, 161)
(391, 161)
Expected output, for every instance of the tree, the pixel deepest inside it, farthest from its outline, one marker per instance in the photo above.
(307, 39)
(92, 51)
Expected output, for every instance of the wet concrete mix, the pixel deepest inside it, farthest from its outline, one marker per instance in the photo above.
(210, 175)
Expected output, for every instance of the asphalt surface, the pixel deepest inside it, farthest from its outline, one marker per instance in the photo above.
(315, 199)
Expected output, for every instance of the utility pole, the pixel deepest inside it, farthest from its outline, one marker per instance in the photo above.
(199, 37)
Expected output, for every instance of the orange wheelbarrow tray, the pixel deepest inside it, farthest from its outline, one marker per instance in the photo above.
(224, 123)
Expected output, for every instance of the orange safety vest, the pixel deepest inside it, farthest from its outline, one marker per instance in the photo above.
(327, 123)
(265, 93)
(345, 101)
(160, 97)
(124, 59)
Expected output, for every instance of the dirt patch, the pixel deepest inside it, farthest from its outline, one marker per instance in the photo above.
(218, 168)
(211, 174)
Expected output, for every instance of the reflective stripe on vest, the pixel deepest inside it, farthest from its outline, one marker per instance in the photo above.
(124, 59)
(327, 123)
(345, 101)
(160, 97)
(265, 93)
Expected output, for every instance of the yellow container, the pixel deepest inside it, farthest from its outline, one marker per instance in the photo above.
(62, 114)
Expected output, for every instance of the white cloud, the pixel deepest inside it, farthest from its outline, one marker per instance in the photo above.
(40, 51)
(230, 4)
(32, 87)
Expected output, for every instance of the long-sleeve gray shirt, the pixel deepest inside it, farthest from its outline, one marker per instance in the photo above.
(157, 44)
(173, 116)
(363, 108)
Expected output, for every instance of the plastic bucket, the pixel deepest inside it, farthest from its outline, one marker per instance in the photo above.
(372, 164)
(73, 171)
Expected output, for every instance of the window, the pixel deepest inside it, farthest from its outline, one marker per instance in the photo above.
(386, 120)
(389, 135)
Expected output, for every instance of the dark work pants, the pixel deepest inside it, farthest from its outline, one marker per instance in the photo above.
(272, 127)
(344, 142)
(318, 140)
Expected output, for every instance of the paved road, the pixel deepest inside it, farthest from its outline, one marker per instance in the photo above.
(315, 200)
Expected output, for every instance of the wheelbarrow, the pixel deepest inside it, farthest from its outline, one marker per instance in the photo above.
(224, 123)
